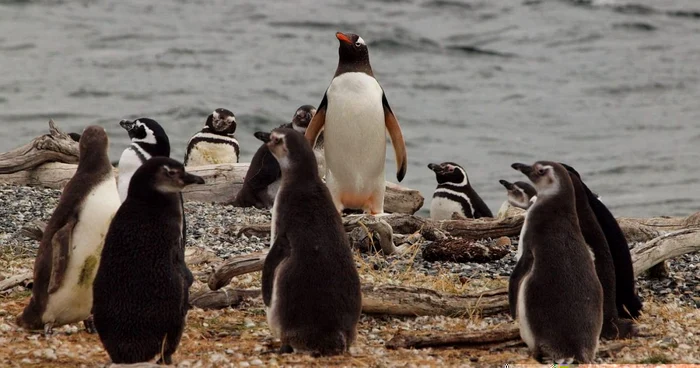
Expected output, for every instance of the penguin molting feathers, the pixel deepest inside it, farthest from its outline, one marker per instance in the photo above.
(454, 193)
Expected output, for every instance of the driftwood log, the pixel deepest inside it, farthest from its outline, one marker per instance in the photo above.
(465, 250)
(21, 279)
(56, 146)
(474, 339)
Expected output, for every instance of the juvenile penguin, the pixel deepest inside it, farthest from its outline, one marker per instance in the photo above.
(69, 252)
(627, 301)
(310, 285)
(148, 139)
(554, 287)
(262, 180)
(215, 143)
(355, 116)
(613, 326)
(454, 193)
(141, 294)
(520, 194)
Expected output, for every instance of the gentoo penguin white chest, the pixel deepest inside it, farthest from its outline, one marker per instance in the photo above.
(215, 143)
(148, 139)
(355, 116)
(454, 194)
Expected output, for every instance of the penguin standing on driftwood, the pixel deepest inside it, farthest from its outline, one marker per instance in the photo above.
(141, 293)
(69, 252)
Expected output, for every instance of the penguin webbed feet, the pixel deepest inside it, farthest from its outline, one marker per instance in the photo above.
(89, 324)
(48, 329)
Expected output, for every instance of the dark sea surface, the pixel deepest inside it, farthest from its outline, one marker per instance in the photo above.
(609, 87)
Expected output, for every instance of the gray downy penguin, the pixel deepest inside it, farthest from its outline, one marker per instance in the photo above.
(262, 180)
(310, 284)
(557, 296)
(141, 294)
(629, 305)
(355, 117)
(69, 252)
(216, 142)
(454, 194)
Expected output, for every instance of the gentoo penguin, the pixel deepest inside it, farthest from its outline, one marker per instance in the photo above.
(613, 326)
(215, 143)
(263, 177)
(454, 193)
(69, 252)
(141, 294)
(148, 139)
(554, 287)
(520, 194)
(628, 303)
(310, 285)
(355, 116)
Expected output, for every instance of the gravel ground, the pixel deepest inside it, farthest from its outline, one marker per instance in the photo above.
(670, 327)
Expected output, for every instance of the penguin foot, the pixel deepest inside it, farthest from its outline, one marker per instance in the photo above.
(48, 329)
(286, 349)
(89, 324)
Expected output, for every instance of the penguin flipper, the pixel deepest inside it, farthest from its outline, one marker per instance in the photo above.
(317, 122)
(278, 252)
(60, 253)
(392, 126)
(522, 267)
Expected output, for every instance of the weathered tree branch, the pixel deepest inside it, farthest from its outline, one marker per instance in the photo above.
(664, 247)
(222, 298)
(55, 146)
(480, 339)
(21, 279)
(236, 266)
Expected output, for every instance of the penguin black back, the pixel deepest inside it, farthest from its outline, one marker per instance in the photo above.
(628, 302)
(310, 281)
(140, 291)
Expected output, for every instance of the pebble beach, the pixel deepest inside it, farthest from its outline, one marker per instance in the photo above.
(669, 328)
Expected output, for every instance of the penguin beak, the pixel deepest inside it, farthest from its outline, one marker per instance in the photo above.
(265, 137)
(525, 169)
(343, 38)
(127, 124)
(435, 167)
(192, 179)
(509, 186)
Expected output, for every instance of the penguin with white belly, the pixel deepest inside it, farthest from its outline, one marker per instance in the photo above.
(355, 116)
(215, 143)
(69, 252)
(454, 194)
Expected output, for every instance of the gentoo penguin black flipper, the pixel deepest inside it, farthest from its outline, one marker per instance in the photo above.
(392, 126)
(629, 305)
(60, 253)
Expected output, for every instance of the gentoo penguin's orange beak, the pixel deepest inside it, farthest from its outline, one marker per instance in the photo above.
(342, 37)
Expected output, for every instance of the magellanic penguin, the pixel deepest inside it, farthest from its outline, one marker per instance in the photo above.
(613, 326)
(355, 116)
(69, 252)
(454, 193)
(628, 303)
(520, 195)
(215, 143)
(262, 180)
(310, 285)
(554, 287)
(141, 294)
(148, 139)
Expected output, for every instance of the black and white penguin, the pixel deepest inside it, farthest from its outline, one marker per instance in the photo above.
(69, 252)
(355, 116)
(262, 180)
(629, 305)
(520, 194)
(215, 143)
(454, 193)
(554, 289)
(141, 293)
(310, 285)
(148, 139)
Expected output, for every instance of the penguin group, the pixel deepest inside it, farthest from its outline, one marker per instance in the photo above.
(112, 254)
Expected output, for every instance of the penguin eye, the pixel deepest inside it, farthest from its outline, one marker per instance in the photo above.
(358, 44)
(278, 141)
(541, 171)
(172, 173)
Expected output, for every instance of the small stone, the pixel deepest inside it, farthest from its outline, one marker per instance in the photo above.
(256, 362)
(3, 312)
(248, 323)
(5, 327)
(503, 241)
(244, 364)
(228, 351)
(49, 354)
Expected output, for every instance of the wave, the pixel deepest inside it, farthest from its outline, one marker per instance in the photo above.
(478, 51)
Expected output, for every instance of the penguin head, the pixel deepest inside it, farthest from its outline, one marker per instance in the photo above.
(449, 172)
(353, 55)
(573, 171)
(291, 149)
(221, 121)
(302, 117)
(162, 174)
(549, 177)
(93, 149)
(148, 134)
(519, 193)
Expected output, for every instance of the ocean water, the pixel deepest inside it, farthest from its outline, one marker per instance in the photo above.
(609, 87)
